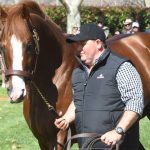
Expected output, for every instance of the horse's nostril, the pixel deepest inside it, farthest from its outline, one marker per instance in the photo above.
(11, 101)
(8, 89)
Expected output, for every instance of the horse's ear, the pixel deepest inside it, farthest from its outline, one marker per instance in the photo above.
(25, 12)
(3, 14)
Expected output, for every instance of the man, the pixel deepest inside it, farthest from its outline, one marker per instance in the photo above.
(127, 26)
(75, 30)
(108, 93)
(135, 27)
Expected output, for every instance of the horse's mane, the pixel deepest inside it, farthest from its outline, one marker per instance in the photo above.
(15, 19)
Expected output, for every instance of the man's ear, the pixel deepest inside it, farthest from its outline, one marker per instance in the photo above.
(99, 44)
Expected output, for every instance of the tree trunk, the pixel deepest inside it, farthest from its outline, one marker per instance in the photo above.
(147, 3)
(17, 1)
(73, 13)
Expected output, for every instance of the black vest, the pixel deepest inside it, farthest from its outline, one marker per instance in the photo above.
(96, 96)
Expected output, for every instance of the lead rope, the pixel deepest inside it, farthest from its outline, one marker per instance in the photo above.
(49, 106)
(36, 40)
(37, 48)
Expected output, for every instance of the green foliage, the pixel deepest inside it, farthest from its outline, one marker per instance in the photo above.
(3, 92)
(144, 18)
(87, 15)
(57, 14)
(114, 16)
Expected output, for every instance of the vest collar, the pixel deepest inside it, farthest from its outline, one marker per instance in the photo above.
(102, 57)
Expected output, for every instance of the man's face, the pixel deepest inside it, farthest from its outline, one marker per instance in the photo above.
(88, 51)
(135, 29)
(128, 26)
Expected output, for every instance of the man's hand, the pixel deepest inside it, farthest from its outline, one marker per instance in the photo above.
(111, 138)
(64, 121)
(61, 123)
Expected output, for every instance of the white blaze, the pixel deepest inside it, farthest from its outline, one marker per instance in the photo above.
(18, 84)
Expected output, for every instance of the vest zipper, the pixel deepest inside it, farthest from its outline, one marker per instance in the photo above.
(85, 84)
(87, 76)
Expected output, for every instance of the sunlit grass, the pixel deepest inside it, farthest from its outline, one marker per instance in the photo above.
(14, 132)
(3, 92)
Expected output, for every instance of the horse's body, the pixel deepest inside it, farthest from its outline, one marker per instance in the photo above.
(40, 70)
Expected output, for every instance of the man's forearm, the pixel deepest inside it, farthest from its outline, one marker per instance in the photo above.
(70, 113)
(128, 119)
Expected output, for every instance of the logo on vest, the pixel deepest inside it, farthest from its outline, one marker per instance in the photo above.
(101, 76)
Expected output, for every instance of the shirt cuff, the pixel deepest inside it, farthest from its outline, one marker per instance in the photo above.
(135, 107)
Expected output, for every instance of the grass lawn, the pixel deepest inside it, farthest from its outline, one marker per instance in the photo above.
(15, 134)
(3, 92)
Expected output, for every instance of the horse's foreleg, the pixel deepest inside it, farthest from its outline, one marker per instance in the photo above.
(43, 146)
(61, 138)
(47, 146)
(141, 146)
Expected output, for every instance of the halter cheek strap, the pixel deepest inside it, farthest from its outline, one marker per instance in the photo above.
(36, 41)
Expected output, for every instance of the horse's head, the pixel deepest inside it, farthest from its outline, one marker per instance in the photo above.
(19, 48)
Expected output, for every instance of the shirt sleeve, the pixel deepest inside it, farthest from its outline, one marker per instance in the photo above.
(130, 87)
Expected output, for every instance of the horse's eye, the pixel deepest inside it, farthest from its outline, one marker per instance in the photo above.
(30, 47)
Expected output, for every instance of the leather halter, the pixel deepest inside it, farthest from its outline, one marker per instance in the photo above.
(25, 74)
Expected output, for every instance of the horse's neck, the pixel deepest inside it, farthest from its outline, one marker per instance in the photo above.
(62, 80)
(63, 73)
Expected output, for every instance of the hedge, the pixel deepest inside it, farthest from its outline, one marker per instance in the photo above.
(114, 16)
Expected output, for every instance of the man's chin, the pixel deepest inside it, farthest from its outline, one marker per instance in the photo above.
(83, 59)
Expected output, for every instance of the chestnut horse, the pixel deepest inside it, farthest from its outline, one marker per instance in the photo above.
(39, 64)
(33, 48)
